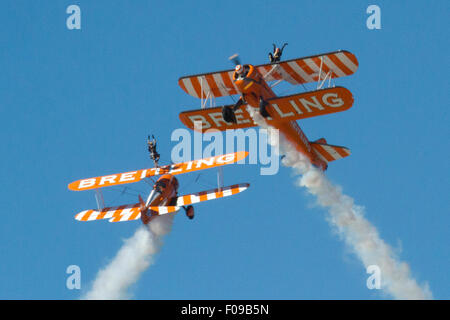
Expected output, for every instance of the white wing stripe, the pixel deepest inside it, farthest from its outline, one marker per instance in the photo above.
(333, 67)
(220, 84)
(348, 63)
(312, 65)
(285, 75)
(227, 192)
(300, 71)
(211, 196)
(194, 198)
(204, 86)
(188, 85)
(125, 214)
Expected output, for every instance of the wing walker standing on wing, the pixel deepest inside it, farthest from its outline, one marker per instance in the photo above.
(275, 56)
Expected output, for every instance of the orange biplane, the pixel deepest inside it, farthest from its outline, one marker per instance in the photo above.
(252, 83)
(163, 198)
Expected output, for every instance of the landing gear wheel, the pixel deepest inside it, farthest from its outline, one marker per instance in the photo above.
(262, 108)
(228, 114)
(189, 212)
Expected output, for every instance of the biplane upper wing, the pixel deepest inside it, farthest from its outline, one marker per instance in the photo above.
(132, 211)
(174, 169)
(295, 71)
(307, 69)
(215, 84)
(287, 108)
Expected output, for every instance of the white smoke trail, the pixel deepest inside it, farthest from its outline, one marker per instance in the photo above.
(348, 219)
(135, 256)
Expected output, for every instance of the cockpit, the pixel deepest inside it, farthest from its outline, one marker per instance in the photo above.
(241, 71)
(165, 187)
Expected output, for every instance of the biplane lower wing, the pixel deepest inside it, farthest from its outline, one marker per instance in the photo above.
(133, 212)
(174, 169)
(287, 108)
(211, 194)
(122, 213)
(114, 214)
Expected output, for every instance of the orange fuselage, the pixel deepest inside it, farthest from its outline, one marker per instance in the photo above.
(164, 190)
(256, 87)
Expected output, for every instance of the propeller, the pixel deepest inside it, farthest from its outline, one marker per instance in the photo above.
(235, 59)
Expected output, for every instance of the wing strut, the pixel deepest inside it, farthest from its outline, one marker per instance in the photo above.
(220, 178)
(100, 200)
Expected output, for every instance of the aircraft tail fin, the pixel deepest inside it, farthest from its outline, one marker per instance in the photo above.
(328, 152)
(321, 140)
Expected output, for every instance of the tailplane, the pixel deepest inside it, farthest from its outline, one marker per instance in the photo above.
(328, 152)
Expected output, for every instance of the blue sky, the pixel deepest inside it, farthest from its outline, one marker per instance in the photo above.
(80, 103)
